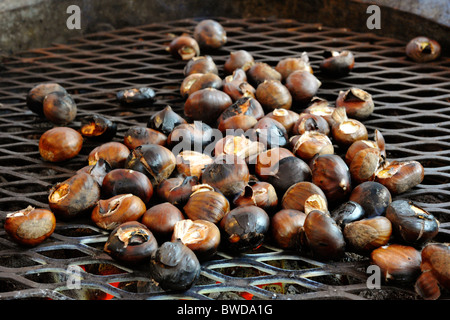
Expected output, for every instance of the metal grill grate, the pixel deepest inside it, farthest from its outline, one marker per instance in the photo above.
(412, 112)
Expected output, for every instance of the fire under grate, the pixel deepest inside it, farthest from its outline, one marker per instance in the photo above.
(412, 112)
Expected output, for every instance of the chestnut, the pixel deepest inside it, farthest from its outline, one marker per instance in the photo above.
(244, 228)
(365, 235)
(331, 174)
(412, 224)
(176, 190)
(241, 114)
(320, 237)
(240, 146)
(346, 212)
(272, 94)
(30, 226)
(290, 64)
(161, 218)
(284, 116)
(357, 146)
(109, 213)
(260, 72)
(98, 171)
(165, 120)
(155, 161)
(373, 197)
(60, 144)
(239, 59)
(345, 130)
(198, 81)
(400, 176)
(321, 107)
(228, 173)
(427, 286)
(311, 143)
(210, 34)
(59, 108)
(192, 163)
(200, 64)
(174, 266)
(397, 262)
(303, 86)
(236, 85)
(365, 165)
(206, 105)
(74, 197)
(136, 136)
(190, 136)
(306, 197)
(261, 194)
(267, 161)
(423, 49)
(98, 127)
(206, 204)
(114, 153)
(184, 47)
(358, 103)
(201, 236)
(131, 242)
(310, 122)
(136, 97)
(123, 181)
(285, 227)
(36, 95)
(269, 132)
(336, 63)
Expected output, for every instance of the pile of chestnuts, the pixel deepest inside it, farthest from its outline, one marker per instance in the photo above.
(290, 169)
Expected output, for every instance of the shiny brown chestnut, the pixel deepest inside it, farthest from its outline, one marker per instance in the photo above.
(236, 85)
(357, 146)
(423, 49)
(98, 171)
(285, 227)
(244, 228)
(198, 81)
(161, 218)
(110, 213)
(240, 59)
(165, 120)
(210, 34)
(192, 163)
(336, 63)
(365, 235)
(412, 224)
(310, 144)
(286, 117)
(98, 127)
(206, 105)
(400, 176)
(115, 153)
(397, 262)
(358, 103)
(176, 190)
(123, 181)
(303, 86)
(36, 95)
(345, 130)
(290, 64)
(74, 197)
(272, 94)
(365, 164)
(373, 197)
(267, 161)
(59, 108)
(131, 242)
(136, 136)
(269, 132)
(260, 72)
(190, 136)
(321, 107)
(201, 236)
(261, 194)
(310, 122)
(60, 144)
(30, 226)
(242, 114)
(136, 97)
(207, 204)
(200, 64)
(184, 47)
(306, 197)
(320, 237)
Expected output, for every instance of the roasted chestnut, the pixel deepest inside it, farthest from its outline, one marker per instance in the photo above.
(310, 144)
(236, 85)
(240, 146)
(115, 153)
(286, 117)
(109, 213)
(98, 127)
(240, 59)
(192, 163)
(303, 86)
(365, 235)
(201, 64)
(210, 34)
(267, 161)
(59, 108)
(260, 72)
(261, 194)
(60, 144)
(198, 81)
(131, 242)
(337, 63)
(290, 64)
(347, 212)
(272, 94)
(206, 204)
(242, 114)
(365, 165)
(358, 103)
(411, 223)
(423, 49)
(123, 181)
(331, 174)
(161, 218)
(184, 47)
(306, 197)
(174, 266)
(373, 197)
(206, 105)
(345, 131)
(285, 226)
(269, 132)
(165, 120)
(397, 262)
(136, 97)
(321, 107)
(37, 94)
(155, 161)
(74, 197)
(190, 136)
(310, 122)
(176, 190)
(136, 136)
(30, 226)
(320, 237)
(244, 228)
(98, 170)
(201, 236)
(357, 146)
(400, 176)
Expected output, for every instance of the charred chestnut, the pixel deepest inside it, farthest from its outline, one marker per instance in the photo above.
(115, 153)
(306, 197)
(240, 59)
(98, 127)
(310, 122)
(176, 190)
(272, 94)
(165, 120)
(30, 226)
(290, 64)
(260, 72)
(60, 144)
(192, 163)
(337, 63)
(198, 81)
(190, 136)
(365, 235)
(303, 86)
(400, 176)
(131, 242)
(161, 218)
(311, 143)
(269, 132)
(210, 34)
(201, 64)
(347, 212)
(261, 194)
(137, 136)
(37, 94)
(241, 114)
(184, 47)
(206, 105)
(373, 197)
(423, 49)
(267, 161)
(285, 226)
(136, 97)
(59, 108)
(358, 103)
(98, 171)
